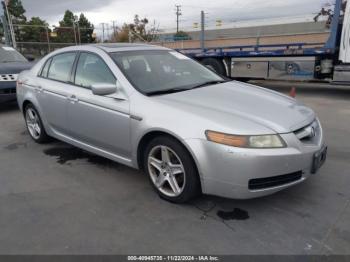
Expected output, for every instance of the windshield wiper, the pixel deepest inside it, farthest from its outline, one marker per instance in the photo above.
(208, 83)
(177, 89)
(167, 91)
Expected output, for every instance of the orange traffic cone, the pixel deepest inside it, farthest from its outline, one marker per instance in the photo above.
(293, 92)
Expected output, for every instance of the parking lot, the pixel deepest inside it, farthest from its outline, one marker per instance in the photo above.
(57, 199)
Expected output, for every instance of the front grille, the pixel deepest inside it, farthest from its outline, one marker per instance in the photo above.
(268, 182)
(7, 91)
(8, 77)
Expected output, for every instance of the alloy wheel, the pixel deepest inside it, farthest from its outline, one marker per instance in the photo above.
(33, 123)
(166, 171)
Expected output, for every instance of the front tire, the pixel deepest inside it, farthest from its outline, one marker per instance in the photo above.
(171, 170)
(34, 125)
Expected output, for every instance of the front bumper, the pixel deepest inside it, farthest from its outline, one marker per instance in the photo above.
(229, 171)
(7, 91)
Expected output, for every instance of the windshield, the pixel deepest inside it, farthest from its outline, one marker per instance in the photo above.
(9, 54)
(160, 71)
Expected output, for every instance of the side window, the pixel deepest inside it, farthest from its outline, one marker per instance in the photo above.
(91, 69)
(61, 67)
(46, 68)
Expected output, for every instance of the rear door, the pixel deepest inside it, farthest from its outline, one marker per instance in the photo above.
(54, 88)
(99, 121)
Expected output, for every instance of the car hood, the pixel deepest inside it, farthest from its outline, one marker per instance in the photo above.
(14, 67)
(235, 100)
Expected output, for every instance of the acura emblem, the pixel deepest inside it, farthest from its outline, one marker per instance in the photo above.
(310, 132)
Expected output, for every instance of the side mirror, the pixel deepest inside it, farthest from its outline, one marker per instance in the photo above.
(103, 89)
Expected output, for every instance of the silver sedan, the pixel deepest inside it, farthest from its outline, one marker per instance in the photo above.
(190, 130)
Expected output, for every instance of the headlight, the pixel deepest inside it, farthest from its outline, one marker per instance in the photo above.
(263, 141)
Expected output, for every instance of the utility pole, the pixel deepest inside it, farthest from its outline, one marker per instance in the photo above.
(107, 29)
(5, 24)
(9, 20)
(202, 30)
(8, 38)
(103, 32)
(79, 34)
(178, 14)
(48, 39)
(75, 33)
(114, 27)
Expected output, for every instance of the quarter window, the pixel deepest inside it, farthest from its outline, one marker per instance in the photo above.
(61, 67)
(91, 69)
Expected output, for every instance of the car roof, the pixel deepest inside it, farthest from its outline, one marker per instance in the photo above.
(110, 48)
(115, 47)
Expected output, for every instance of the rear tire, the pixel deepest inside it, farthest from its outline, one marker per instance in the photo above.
(34, 125)
(171, 170)
(215, 65)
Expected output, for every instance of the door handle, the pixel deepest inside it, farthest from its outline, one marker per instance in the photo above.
(73, 98)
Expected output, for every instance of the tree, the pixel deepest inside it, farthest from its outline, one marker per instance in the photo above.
(71, 29)
(122, 35)
(65, 31)
(139, 26)
(16, 9)
(327, 10)
(68, 19)
(86, 30)
(36, 31)
(137, 31)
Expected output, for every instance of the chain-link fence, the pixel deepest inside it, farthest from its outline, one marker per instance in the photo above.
(38, 40)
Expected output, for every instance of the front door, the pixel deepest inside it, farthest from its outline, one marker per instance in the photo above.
(99, 121)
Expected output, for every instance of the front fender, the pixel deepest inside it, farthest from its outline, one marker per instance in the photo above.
(140, 135)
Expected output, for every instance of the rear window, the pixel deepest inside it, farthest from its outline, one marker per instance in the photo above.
(9, 54)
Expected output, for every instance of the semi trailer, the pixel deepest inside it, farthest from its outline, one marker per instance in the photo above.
(329, 61)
